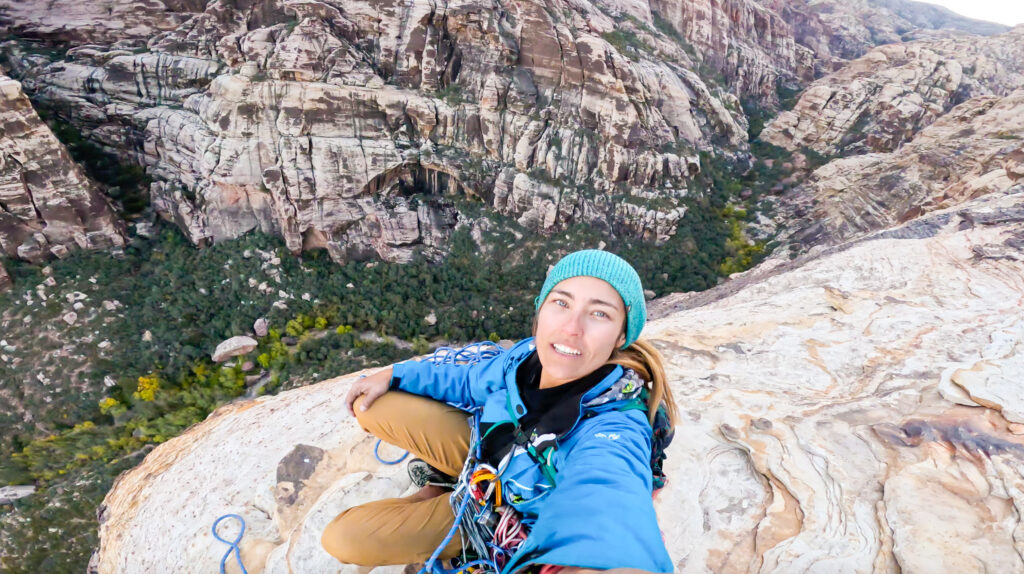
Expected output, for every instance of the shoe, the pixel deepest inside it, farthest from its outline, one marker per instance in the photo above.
(421, 474)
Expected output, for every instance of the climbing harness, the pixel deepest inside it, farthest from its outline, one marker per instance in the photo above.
(232, 543)
(490, 528)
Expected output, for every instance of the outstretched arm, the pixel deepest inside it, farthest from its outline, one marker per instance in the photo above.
(600, 515)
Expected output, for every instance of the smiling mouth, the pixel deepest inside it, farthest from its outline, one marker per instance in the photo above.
(566, 351)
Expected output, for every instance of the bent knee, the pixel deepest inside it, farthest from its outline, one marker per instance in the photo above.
(346, 540)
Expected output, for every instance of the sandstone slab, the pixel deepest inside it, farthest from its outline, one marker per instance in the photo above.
(974, 149)
(846, 412)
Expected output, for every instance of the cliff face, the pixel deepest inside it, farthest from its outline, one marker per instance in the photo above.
(47, 204)
(853, 411)
(847, 29)
(86, 22)
(878, 102)
(749, 44)
(360, 126)
(975, 149)
(319, 120)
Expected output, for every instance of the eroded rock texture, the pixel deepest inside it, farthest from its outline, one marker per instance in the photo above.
(361, 125)
(847, 29)
(751, 45)
(47, 204)
(857, 412)
(108, 22)
(976, 148)
(880, 101)
(5, 278)
(329, 122)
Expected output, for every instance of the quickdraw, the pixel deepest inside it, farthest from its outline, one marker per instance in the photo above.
(490, 528)
(485, 474)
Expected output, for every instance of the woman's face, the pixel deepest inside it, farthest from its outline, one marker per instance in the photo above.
(579, 324)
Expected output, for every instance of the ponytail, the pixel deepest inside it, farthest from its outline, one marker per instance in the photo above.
(643, 358)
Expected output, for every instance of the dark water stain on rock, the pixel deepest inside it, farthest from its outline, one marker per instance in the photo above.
(297, 466)
(959, 434)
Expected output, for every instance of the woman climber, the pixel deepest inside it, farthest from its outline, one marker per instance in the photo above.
(543, 456)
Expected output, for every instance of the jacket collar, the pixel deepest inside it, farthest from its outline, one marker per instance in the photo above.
(521, 350)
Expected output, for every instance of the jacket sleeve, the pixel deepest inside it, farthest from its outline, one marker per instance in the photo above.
(600, 515)
(466, 386)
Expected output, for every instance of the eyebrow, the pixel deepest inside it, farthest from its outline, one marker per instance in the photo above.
(591, 301)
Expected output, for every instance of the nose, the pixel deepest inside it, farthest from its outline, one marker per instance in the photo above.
(573, 324)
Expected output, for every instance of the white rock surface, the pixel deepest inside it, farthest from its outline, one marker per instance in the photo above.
(854, 412)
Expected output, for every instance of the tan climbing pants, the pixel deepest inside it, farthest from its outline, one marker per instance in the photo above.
(404, 530)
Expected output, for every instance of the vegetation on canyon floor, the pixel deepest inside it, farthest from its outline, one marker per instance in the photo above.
(134, 370)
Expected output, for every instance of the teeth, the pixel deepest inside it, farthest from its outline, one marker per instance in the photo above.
(566, 350)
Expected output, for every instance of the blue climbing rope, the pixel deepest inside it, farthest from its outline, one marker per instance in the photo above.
(381, 460)
(471, 353)
(233, 543)
(428, 567)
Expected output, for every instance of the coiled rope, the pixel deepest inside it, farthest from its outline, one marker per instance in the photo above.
(232, 543)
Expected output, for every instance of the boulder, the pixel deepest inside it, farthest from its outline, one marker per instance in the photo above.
(261, 327)
(234, 347)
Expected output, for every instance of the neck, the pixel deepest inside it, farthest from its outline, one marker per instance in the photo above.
(548, 382)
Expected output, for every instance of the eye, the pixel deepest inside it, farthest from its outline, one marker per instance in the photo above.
(600, 314)
(560, 302)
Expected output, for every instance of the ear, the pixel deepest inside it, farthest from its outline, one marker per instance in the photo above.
(622, 339)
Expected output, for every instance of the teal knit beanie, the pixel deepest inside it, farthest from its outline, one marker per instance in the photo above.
(612, 269)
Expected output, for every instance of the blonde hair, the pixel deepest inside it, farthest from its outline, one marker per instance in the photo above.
(643, 358)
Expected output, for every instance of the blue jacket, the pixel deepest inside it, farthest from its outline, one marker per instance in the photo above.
(601, 514)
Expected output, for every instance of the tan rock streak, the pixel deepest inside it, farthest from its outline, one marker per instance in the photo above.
(5, 278)
(820, 426)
